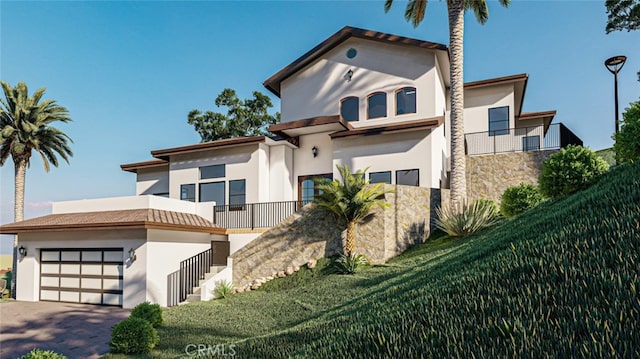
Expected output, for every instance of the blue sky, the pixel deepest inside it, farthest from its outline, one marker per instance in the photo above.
(129, 72)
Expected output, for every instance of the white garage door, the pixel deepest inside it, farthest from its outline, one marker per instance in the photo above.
(81, 275)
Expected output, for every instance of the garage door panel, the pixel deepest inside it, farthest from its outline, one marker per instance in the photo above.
(82, 275)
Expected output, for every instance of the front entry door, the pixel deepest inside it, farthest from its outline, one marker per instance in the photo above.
(308, 189)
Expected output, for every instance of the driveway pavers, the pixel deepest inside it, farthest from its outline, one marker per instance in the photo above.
(75, 330)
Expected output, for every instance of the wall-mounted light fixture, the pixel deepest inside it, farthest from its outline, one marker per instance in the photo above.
(348, 75)
(132, 255)
(314, 150)
(23, 251)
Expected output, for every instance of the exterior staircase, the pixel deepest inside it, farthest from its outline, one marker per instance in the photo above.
(196, 292)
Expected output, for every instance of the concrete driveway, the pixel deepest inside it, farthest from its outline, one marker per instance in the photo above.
(75, 330)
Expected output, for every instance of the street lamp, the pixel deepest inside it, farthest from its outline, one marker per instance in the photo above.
(614, 65)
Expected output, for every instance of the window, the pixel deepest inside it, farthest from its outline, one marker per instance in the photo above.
(380, 177)
(499, 121)
(530, 143)
(188, 192)
(163, 194)
(216, 171)
(213, 191)
(408, 177)
(307, 187)
(349, 108)
(377, 105)
(237, 192)
(406, 100)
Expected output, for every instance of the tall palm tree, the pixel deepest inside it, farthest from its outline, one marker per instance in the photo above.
(352, 200)
(456, 8)
(25, 127)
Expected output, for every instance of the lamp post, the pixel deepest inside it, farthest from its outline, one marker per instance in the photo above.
(614, 65)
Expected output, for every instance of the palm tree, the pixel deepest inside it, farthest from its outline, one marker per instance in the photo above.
(25, 127)
(353, 200)
(456, 8)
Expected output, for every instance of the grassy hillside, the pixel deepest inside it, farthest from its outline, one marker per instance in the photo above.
(561, 280)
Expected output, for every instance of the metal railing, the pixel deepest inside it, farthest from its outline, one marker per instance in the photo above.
(520, 139)
(192, 270)
(254, 215)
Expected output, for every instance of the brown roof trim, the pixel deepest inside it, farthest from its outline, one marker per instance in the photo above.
(226, 143)
(279, 128)
(273, 83)
(538, 114)
(134, 167)
(496, 81)
(108, 227)
(423, 124)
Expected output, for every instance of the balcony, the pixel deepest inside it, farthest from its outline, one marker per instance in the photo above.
(254, 215)
(522, 139)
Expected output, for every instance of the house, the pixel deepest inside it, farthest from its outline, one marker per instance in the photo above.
(360, 98)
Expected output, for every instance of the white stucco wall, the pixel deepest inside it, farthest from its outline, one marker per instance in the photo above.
(304, 164)
(152, 181)
(477, 103)
(165, 251)
(122, 203)
(281, 181)
(318, 89)
(239, 240)
(134, 275)
(400, 151)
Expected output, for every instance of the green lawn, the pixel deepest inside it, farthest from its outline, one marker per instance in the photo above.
(559, 280)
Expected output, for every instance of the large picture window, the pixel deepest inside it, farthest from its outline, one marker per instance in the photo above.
(188, 192)
(349, 108)
(408, 177)
(380, 177)
(215, 171)
(212, 192)
(406, 100)
(499, 121)
(377, 105)
(237, 192)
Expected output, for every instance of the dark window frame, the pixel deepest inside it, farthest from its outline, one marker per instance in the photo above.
(527, 146)
(502, 131)
(214, 168)
(415, 100)
(232, 196)
(194, 192)
(381, 173)
(377, 93)
(342, 101)
(224, 193)
(407, 170)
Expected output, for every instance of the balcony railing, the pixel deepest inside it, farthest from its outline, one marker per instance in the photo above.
(520, 140)
(254, 215)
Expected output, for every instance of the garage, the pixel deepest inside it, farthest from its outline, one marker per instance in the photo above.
(82, 275)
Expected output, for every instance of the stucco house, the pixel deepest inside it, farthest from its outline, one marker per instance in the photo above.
(361, 98)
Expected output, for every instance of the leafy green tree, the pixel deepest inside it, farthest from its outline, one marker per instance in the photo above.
(414, 13)
(352, 200)
(627, 141)
(623, 15)
(247, 117)
(25, 127)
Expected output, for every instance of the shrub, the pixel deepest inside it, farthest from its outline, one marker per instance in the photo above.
(627, 145)
(518, 199)
(490, 203)
(572, 169)
(350, 264)
(466, 219)
(133, 336)
(42, 354)
(152, 313)
(223, 289)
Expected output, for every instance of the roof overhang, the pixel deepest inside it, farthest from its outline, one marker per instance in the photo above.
(519, 82)
(134, 167)
(409, 126)
(310, 125)
(273, 82)
(545, 116)
(205, 146)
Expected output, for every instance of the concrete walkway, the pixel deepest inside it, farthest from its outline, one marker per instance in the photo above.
(75, 330)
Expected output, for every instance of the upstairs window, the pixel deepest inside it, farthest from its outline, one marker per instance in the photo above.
(212, 192)
(499, 121)
(349, 108)
(380, 177)
(530, 143)
(188, 192)
(406, 100)
(377, 105)
(408, 177)
(216, 171)
(237, 192)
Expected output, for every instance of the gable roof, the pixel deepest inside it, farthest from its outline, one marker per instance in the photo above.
(273, 83)
(110, 220)
(519, 82)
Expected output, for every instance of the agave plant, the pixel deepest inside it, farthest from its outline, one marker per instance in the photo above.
(463, 220)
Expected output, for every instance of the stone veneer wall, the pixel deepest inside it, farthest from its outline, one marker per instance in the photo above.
(313, 233)
(488, 176)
